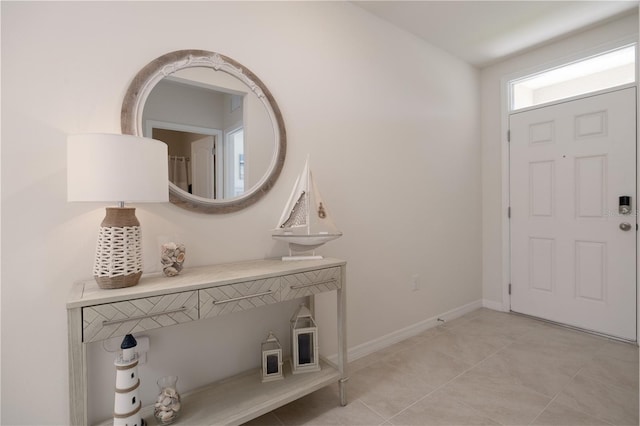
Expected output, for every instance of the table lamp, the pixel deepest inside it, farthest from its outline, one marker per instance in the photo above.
(117, 168)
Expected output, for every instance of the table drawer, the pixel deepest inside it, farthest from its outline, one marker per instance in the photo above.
(311, 282)
(136, 315)
(224, 299)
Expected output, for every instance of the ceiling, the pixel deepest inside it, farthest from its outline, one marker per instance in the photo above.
(484, 32)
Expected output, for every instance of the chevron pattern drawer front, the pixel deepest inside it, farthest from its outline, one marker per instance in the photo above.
(310, 283)
(238, 297)
(136, 315)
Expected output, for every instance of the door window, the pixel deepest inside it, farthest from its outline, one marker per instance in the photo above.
(610, 69)
(234, 163)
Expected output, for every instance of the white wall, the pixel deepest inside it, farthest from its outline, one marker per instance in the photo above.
(397, 158)
(191, 106)
(494, 138)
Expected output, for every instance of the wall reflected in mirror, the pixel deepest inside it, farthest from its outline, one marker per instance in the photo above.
(220, 137)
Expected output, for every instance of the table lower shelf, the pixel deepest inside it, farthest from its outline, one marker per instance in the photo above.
(244, 397)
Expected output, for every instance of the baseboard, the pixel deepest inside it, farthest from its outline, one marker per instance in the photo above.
(389, 339)
(496, 306)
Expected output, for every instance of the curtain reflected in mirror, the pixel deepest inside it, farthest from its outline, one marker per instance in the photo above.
(180, 172)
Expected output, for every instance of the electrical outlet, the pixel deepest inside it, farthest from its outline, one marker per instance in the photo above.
(415, 282)
(113, 345)
(143, 348)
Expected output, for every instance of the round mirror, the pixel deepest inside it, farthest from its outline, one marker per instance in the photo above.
(224, 130)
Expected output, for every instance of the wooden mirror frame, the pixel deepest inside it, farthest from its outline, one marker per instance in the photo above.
(147, 78)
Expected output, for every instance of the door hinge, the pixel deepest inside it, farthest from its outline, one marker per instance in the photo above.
(509, 288)
(508, 135)
(509, 212)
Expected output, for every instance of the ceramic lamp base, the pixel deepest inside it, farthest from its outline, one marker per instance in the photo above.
(118, 261)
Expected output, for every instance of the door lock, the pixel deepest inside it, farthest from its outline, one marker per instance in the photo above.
(624, 204)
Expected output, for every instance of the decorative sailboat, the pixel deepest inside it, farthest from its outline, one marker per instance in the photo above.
(305, 222)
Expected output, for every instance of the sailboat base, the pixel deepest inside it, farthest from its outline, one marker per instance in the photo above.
(305, 243)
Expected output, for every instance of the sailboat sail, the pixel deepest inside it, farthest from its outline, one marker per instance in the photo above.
(305, 222)
(298, 215)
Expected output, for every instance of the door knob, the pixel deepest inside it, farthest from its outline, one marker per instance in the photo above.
(625, 226)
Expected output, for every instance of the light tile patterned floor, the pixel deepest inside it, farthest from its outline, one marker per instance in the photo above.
(485, 368)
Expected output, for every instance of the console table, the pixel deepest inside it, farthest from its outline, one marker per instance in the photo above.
(95, 314)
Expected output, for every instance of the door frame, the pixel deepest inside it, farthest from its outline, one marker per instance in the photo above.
(505, 101)
(149, 125)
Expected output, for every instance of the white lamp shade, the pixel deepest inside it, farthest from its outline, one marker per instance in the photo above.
(115, 168)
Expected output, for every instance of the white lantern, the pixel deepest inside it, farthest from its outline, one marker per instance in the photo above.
(271, 359)
(304, 342)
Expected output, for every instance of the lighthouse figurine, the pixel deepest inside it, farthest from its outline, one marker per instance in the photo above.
(126, 411)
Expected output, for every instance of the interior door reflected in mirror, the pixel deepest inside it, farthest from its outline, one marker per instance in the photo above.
(223, 128)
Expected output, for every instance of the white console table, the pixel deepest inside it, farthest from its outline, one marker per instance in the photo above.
(196, 294)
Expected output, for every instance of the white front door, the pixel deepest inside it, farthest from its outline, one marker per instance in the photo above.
(573, 260)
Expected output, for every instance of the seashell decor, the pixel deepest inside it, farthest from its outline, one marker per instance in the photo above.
(172, 258)
(167, 404)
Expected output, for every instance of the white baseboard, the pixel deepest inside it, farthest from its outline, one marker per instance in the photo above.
(389, 339)
(496, 306)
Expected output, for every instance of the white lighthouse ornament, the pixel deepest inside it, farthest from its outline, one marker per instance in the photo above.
(126, 411)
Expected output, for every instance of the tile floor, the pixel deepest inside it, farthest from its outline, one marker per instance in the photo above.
(485, 368)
